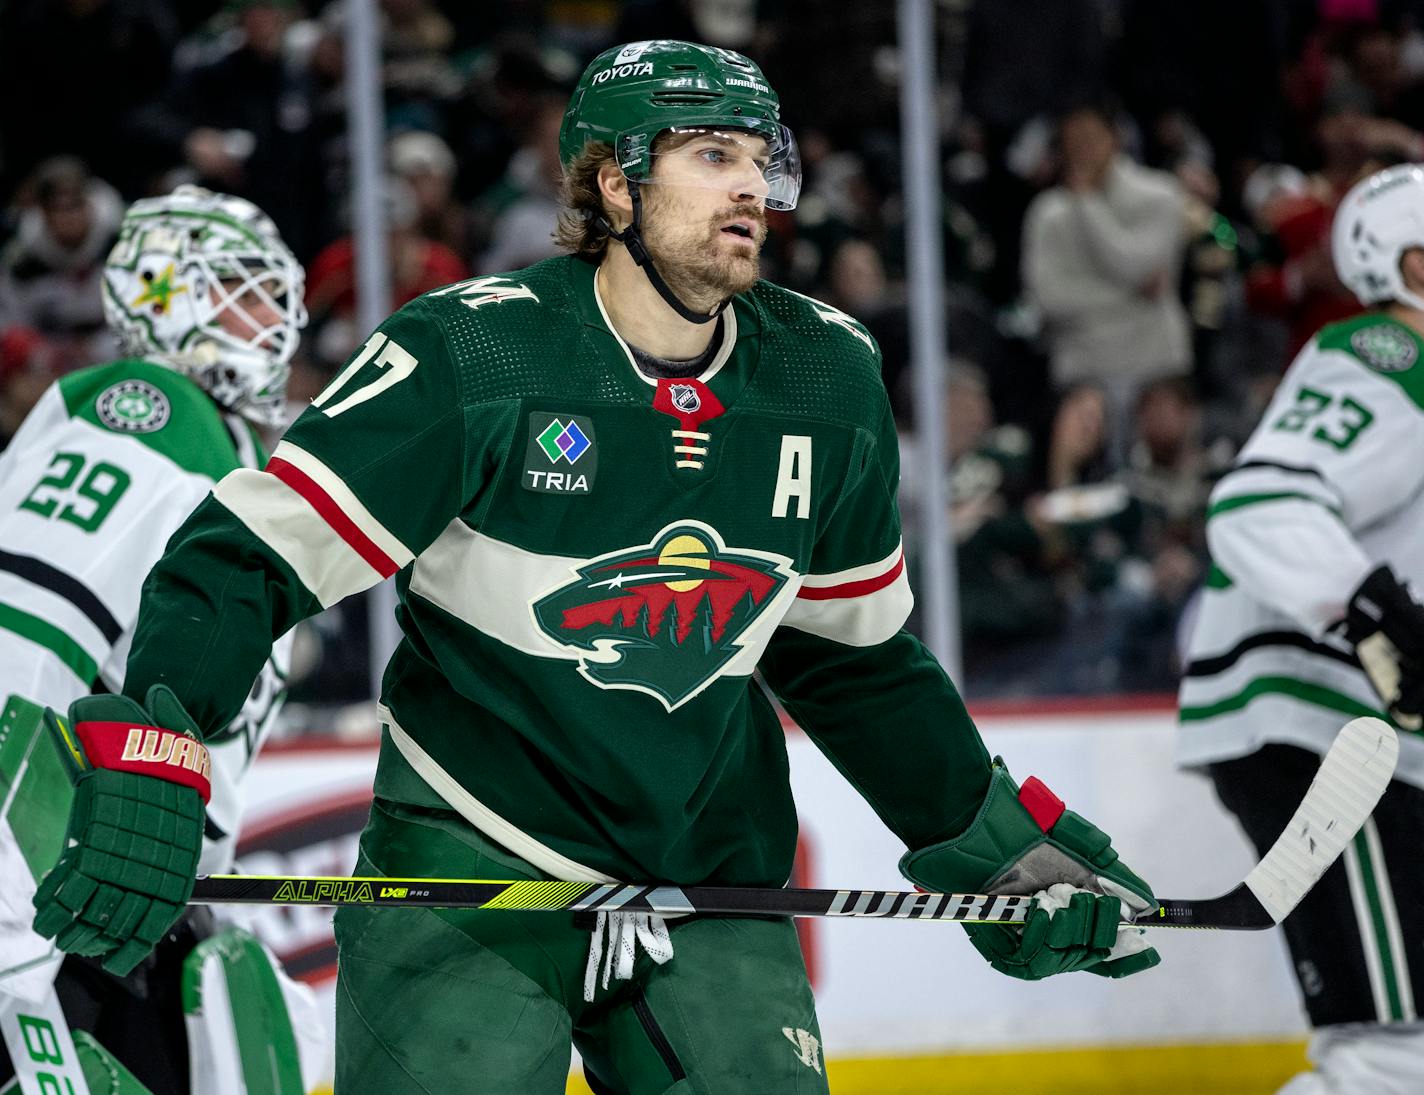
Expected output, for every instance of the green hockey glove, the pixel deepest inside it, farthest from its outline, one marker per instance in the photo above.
(1026, 842)
(141, 779)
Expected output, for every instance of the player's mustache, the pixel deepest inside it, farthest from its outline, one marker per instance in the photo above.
(751, 212)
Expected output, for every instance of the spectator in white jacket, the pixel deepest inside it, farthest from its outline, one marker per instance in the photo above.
(1101, 260)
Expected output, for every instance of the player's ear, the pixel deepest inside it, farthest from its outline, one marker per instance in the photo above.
(613, 188)
(1411, 266)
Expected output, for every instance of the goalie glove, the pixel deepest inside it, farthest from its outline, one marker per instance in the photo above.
(141, 779)
(1026, 842)
(1386, 626)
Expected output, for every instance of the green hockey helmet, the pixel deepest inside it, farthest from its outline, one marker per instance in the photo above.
(630, 94)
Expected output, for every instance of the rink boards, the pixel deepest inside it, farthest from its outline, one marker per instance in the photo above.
(910, 1006)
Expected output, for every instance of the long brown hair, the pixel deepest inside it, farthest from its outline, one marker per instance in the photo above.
(580, 226)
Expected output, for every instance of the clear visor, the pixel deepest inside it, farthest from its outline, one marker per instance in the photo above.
(257, 302)
(729, 161)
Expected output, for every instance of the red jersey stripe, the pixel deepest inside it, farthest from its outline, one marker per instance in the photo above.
(332, 514)
(853, 589)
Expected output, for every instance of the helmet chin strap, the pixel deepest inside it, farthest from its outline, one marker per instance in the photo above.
(632, 238)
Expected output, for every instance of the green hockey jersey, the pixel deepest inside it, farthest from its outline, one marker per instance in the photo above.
(590, 565)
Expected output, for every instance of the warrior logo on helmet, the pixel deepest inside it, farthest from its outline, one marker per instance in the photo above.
(665, 618)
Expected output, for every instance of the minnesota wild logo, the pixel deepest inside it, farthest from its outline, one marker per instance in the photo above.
(665, 618)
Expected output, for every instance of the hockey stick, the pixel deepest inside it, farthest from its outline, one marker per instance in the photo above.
(1350, 781)
(1379, 658)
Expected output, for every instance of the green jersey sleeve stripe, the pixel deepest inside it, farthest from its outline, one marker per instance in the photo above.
(1216, 578)
(1389, 964)
(1226, 505)
(1281, 686)
(52, 639)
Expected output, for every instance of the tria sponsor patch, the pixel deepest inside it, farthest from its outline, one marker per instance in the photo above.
(562, 457)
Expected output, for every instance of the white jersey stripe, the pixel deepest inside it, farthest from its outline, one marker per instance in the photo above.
(868, 572)
(510, 580)
(1394, 934)
(1369, 943)
(283, 520)
(345, 500)
(864, 620)
(479, 815)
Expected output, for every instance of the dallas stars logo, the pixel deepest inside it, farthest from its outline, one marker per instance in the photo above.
(133, 406)
(664, 618)
(1385, 348)
(158, 289)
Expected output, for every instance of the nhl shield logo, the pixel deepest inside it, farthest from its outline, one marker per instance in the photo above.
(665, 618)
(685, 398)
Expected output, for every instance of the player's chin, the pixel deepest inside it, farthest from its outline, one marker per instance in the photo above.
(738, 277)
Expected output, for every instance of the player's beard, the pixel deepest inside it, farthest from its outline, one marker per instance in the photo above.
(698, 267)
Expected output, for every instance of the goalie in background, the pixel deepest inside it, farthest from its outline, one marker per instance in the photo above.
(206, 301)
(1307, 615)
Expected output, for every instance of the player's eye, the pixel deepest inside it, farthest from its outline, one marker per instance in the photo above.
(714, 155)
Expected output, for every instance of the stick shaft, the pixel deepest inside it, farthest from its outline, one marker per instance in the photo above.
(1353, 776)
(1237, 910)
(599, 897)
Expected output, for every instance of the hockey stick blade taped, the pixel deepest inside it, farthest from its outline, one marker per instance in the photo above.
(1352, 777)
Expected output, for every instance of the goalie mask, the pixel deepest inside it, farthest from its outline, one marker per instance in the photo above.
(202, 282)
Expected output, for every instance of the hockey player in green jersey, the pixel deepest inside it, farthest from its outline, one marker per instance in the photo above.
(611, 486)
(206, 302)
(1307, 617)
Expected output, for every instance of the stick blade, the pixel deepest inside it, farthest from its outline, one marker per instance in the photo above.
(1351, 779)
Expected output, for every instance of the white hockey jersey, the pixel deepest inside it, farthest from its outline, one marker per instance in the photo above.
(101, 473)
(1329, 486)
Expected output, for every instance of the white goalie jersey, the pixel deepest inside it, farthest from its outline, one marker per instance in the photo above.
(1329, 486)
(103, 471)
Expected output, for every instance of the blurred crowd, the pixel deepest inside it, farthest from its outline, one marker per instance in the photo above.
(1137, 204)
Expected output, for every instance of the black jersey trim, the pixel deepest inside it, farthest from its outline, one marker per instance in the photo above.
(64, 585)
(1206, 667)
(1294, 469)
(656, 1035)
